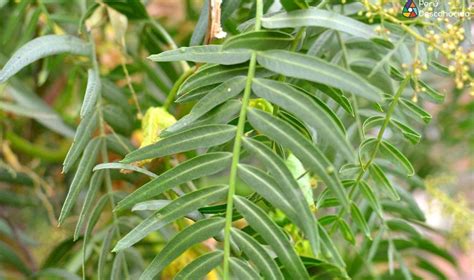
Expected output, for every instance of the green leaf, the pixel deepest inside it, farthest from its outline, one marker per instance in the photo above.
(264, 185)
(291, 5)
(118, 144)
(132, 9)
(81, 177)
(402, 226)
(215, 97)
(412, 204)
(124, 166)
(371, 198)
(118, 119)
(194, 94)
(346, 231)
(261, 222)
(242, 270)
(29, 100)
(214, 74)
(176, 209)
(221, 115)
(398, 156)
(200, 28)
(81, 138)
(440, 69)
(431, 268)
(322, 43)
(204, 54)
(396, 74)
(104, 252)
(432, 93)
(367, 146)
(314, 69)
(42, 47)
(287, 185)
(257, 254)
(359, 219)
(416, 110)
(303, 106)
(329, 245)
(319, 18)
(193, 234)
(409, 133)
(92, 93)
(9, 256)
(306, 151)
(259, 40)
(199, 137)
(327, 220)
(93, 219)
(95, 183)
(302, 176)
(26, 111)
(55, 273)
(114, 94)
(194, 168)
(201, 266)
(371, 122)
(379, 177)
(338, 96)
(322, 270)
(117, 266)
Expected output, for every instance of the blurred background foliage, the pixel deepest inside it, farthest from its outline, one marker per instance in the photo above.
(39, 110)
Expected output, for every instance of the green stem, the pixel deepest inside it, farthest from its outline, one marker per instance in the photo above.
(174, 90)
(237, 146)
(37, 151)
(105, 158)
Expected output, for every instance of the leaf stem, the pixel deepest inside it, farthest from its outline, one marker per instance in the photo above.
(237, 146)
(170, 98)
(105, 159)
(378, 140)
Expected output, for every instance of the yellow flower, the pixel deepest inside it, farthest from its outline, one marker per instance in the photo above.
(156, 119)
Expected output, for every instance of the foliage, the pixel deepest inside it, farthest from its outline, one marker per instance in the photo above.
(286, 161)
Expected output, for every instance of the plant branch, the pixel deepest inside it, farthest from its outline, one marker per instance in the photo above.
(174, 90)
(237, 146)
(378, 141)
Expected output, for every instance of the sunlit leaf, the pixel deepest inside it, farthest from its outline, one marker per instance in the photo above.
(262, 223)
(201, 266)
(200, 137)
(81, 177)
(306, 151)
(195, 233)
(42, 47)
(204, 54)
(307, 110)
(176, 209)
(257, 254)
(319, 18)
(92, 92)
(194, 168)
(259, 40)
(317, 70)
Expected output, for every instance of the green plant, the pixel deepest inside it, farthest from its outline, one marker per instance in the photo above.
(313, 91)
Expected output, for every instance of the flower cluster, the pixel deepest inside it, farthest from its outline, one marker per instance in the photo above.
(443, 37)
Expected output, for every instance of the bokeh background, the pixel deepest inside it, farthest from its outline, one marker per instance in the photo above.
(32, 187)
